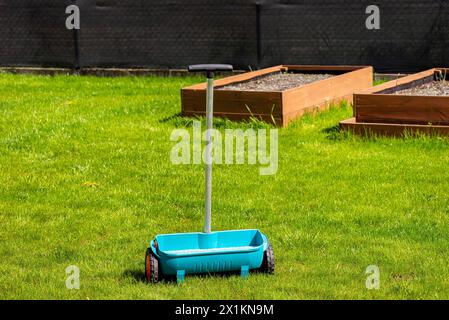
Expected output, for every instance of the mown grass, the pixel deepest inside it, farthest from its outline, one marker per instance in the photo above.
(86, 180)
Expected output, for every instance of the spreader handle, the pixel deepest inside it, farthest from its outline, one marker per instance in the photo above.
(210, 68)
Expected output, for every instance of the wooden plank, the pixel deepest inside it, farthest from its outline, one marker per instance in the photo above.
(402, 109)
(323, 68)
(327, 90)
(399, 81)
(392, 129)
(235, 102)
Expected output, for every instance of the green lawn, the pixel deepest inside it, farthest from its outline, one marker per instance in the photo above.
(86, 180)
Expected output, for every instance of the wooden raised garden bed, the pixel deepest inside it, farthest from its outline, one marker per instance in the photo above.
(416, 103)
(278, 94)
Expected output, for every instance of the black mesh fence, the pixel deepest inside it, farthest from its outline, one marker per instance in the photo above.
(414, 35)
(33, 33)
(165, 33)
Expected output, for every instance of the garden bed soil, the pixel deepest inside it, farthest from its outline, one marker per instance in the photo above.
(277, 82)
(434, 88)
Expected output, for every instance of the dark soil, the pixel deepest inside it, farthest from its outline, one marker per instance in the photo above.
(434, 88)
(276, 82)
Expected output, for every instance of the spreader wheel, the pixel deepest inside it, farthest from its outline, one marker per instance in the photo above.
(151, 267)
(268, 260)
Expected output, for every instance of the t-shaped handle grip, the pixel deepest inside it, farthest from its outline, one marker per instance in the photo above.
(210, 68)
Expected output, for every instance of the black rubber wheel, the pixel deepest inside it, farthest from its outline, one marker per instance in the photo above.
(151, 267)
(268, 260)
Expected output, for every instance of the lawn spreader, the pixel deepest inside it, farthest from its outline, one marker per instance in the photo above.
(208, 252)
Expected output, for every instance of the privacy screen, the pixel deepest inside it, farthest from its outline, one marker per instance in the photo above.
(413, 35)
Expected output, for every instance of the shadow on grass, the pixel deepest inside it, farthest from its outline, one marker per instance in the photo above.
(139, 276)
(334, 133)
(180, 121)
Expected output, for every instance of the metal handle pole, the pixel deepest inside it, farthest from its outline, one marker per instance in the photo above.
(208, 160)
